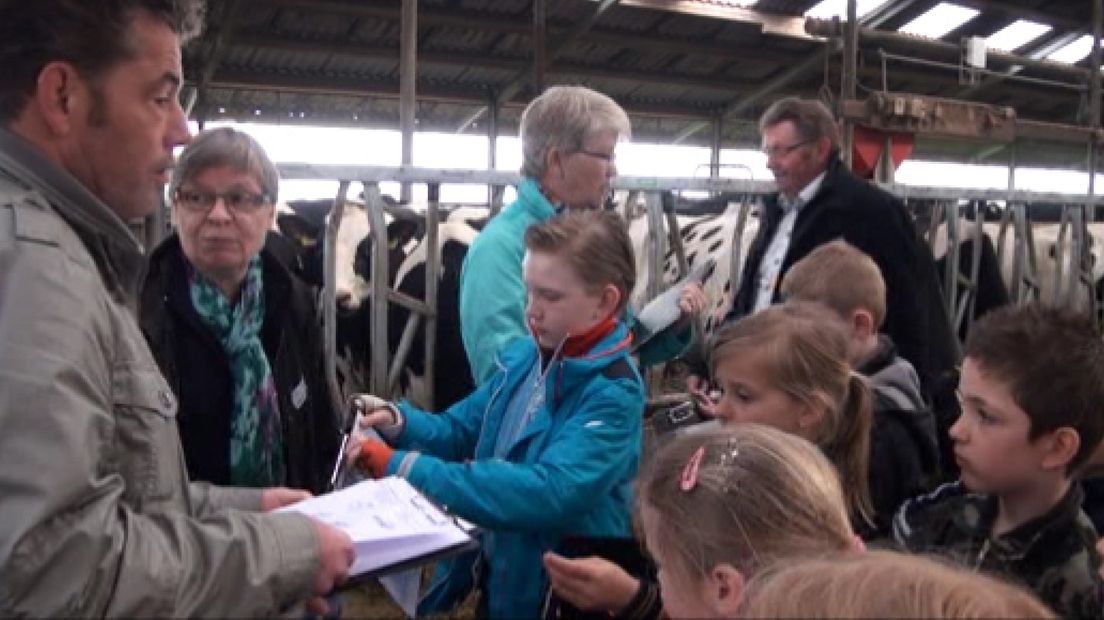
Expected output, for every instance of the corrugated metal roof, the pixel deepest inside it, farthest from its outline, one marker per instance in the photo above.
(668, 69)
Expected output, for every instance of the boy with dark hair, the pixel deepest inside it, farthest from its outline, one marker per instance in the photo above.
(904, 454)
(1031, 387)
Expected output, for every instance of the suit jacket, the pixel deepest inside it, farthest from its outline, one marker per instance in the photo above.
(877, 223)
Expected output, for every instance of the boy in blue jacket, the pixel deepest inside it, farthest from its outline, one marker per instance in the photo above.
(546, 448)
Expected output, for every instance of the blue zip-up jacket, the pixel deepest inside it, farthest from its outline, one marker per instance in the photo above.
(570, 470)
(492, 293)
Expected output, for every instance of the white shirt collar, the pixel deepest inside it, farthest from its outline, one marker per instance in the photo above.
(805, 195)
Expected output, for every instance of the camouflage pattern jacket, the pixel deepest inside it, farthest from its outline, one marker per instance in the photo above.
(1054, 554)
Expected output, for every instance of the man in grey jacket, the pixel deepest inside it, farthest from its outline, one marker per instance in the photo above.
(97, 516)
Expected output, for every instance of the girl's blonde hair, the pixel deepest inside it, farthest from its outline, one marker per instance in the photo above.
(883, 584)
(758, 494)
(595, 243)
(803, 349)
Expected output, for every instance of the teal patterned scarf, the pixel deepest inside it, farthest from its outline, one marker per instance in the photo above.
(256, 444)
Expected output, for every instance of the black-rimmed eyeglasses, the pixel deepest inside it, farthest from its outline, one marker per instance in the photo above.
(238, 201)
(773, 152)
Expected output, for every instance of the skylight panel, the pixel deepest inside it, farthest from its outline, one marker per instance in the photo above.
(828, 9)
(940, 20)
(1016, 35)
(1074, 51)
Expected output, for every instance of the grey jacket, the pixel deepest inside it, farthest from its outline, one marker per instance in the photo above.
(97, 516)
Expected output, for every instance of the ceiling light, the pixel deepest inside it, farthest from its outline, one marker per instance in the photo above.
(838, 8)
(1073, 52)
(1016, 35)
(940, 20)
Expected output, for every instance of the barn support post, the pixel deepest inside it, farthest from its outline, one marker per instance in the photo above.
(848, 81)
(884, 171)
(950, 273)
(656, 243)
(329, 304)
(492, 147)
(432, 275)
(540, 44)
(1093, 153)
(970, 307)
(408, 70)
(380, 288)
(715, 147)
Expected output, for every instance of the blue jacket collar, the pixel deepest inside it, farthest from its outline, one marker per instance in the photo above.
(568, 372)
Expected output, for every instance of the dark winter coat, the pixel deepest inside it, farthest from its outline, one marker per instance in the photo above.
(1053, 554)
(195, 365)
(877, 223)
(904, 451)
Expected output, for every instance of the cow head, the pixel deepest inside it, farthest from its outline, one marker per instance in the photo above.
(304, 225)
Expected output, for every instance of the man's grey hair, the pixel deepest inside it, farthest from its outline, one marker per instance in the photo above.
(810, 117)
(562, 118)
(224, 146)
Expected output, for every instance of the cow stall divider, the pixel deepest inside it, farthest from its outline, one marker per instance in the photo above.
(743, 196)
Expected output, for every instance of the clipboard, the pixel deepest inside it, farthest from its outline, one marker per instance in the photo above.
(393, 526)
(446, 552)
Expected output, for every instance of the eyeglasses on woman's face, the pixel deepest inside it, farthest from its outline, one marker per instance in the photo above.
(236, 200)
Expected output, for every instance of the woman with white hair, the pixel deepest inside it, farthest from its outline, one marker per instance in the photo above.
(233, 331)
(568, 138)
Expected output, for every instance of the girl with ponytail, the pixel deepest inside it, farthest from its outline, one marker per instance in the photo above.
(786, 367)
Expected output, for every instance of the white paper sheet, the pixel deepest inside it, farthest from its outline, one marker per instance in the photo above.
(388, 520)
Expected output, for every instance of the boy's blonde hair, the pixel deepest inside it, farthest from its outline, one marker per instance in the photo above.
(803, 349)
(760, 494)
(840, 276)
(883, 584)
(595, 243)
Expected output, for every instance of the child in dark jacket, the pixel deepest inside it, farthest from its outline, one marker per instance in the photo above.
(904, 451)
(1031, 387)
(547, 448)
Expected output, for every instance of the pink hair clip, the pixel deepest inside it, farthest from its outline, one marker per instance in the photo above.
(689, 478)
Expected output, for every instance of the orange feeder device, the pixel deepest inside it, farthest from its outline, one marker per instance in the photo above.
(869, 144)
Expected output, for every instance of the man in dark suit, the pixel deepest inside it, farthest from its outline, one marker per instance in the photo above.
(819, 200)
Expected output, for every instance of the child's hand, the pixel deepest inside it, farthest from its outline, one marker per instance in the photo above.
(371, 455)
(698, 388)
(591, 584)
(373, 411)
(691, 302)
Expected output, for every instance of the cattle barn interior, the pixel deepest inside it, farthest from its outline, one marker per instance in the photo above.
(695, 72)
(688, 71)
(1014, 83)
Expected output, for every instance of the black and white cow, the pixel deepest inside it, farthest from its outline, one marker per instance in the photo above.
(996, 275)
(406, 267)
(703, 237)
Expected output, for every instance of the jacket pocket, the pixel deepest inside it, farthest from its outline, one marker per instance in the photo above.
(147, 444)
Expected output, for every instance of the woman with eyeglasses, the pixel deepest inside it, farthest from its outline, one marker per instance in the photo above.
(233, 331)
